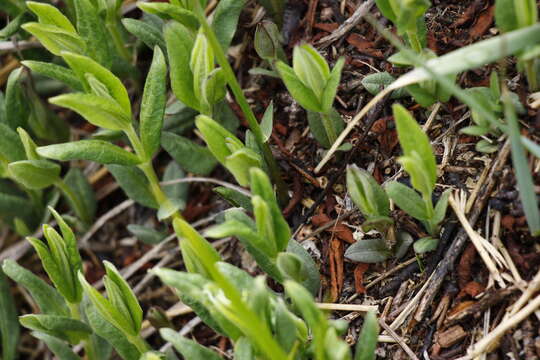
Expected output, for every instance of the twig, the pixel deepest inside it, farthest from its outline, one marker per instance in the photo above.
(207, 180)
(398, 339)
(348, 25)
(117, 210)
(346, 307)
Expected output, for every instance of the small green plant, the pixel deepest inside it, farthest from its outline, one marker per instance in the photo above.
(374, 205)
(419, 162)
(408, 17)
(314, 87)
(490, 98)
(518, 14)
(268, 238)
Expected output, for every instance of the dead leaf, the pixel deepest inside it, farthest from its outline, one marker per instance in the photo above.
(336, 268)
(359, 271)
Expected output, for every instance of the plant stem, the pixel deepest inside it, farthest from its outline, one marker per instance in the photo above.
(78, 206)
(329, 127)
(149, 172)
(415, 42)
(111, 23)
(244, 105)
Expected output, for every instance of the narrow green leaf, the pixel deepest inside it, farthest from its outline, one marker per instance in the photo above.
(62, 327)
(235, 198)
(11, 147)
(9, 325)
(93, 150)
(15, 102)
(35, 174)
(407, 199)
(46, 297)
(366, 193)
(425, 244)
(50, 15)
(100, 111)
(58, 347)
(531, 146)
(132, 180)
(177, 193)
(179, 42)
(312, 281)
(368, 251)
(153, 104)
(57, 72)
(92, 29)
(267, 122)
(225, 20)
(170, 11)
(218, 139)
(149, 34)
(146, 234)
(311, 68)
(299, 91)
(189, 349)
(523, 173)
(83, 65)
(78, 183)
(55, 39)
(367, 340)
(240, 162)
(332, 84)
(191, 156)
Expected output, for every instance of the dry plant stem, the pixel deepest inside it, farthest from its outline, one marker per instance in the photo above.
(484, 248)
(411, 305)
(346, 307)
(348, 25)
(488, 342)
(533, 287)
(459, 242)
(398, 339)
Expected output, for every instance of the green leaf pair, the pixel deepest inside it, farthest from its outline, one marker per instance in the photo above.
(60, 258)
(228, 149)
(194, 79)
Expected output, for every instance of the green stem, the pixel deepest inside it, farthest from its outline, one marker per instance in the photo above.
(244, 105)
(329, 127)
(89, 350)
(72, 198)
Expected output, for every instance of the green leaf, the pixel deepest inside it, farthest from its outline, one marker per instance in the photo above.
(267, 42)
(225, 21)
(11, 147)
(235, 198)
(50, 302)
(100, 111)
(148, 33)
(106, 309)
(153, 104)
(177, 193)
(93, 150)
(291, 267)
(78, 183)
(219, 140)
(122, 297)
(312, 69)
(9, 326)
(368, 251)
(132, 180)
(58, 347)
(367, 340)
(92, 29)
(316, 125)
(83, 65)
(332, 84)
(420, 178)
(376, 82)
(425, 244)
(189, 349)
(385, 7)
(531, 146)
(48, 14)
(146, 234)
(243, 350)
(179, 42)
(56, 39)
(15, 102)
(524, 177)
(267, 122)
(62, 327)
(300, 92)
(407, 199)
(35, 174)
(366, 193)
(57, 72)
(191, 156)
(404, 241)
(170, 11)
(115, 337)
(440, 208)
(28, 144)
(312, 281)
(240, 162)
(505, 15)
(414, 140)
(260, 185)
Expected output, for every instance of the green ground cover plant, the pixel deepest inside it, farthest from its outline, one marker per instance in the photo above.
(84, 60)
